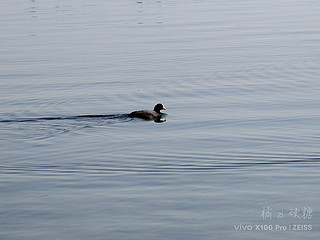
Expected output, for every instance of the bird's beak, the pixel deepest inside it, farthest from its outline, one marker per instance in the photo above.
(164, 108)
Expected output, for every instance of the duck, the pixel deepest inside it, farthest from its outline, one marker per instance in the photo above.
(154, 114)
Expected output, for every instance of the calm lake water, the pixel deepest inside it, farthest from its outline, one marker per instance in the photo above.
(238, 156)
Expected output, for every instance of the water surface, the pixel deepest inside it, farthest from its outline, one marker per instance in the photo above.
(240, 80)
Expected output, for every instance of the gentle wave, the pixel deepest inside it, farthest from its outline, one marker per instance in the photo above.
(174, 163)
(107, 116)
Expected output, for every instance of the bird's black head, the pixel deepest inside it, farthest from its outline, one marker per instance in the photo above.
(159, 107)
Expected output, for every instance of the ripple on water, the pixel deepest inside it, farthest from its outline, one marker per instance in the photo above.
(169, 164)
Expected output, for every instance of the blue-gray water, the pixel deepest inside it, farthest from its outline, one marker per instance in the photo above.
(240, 80)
